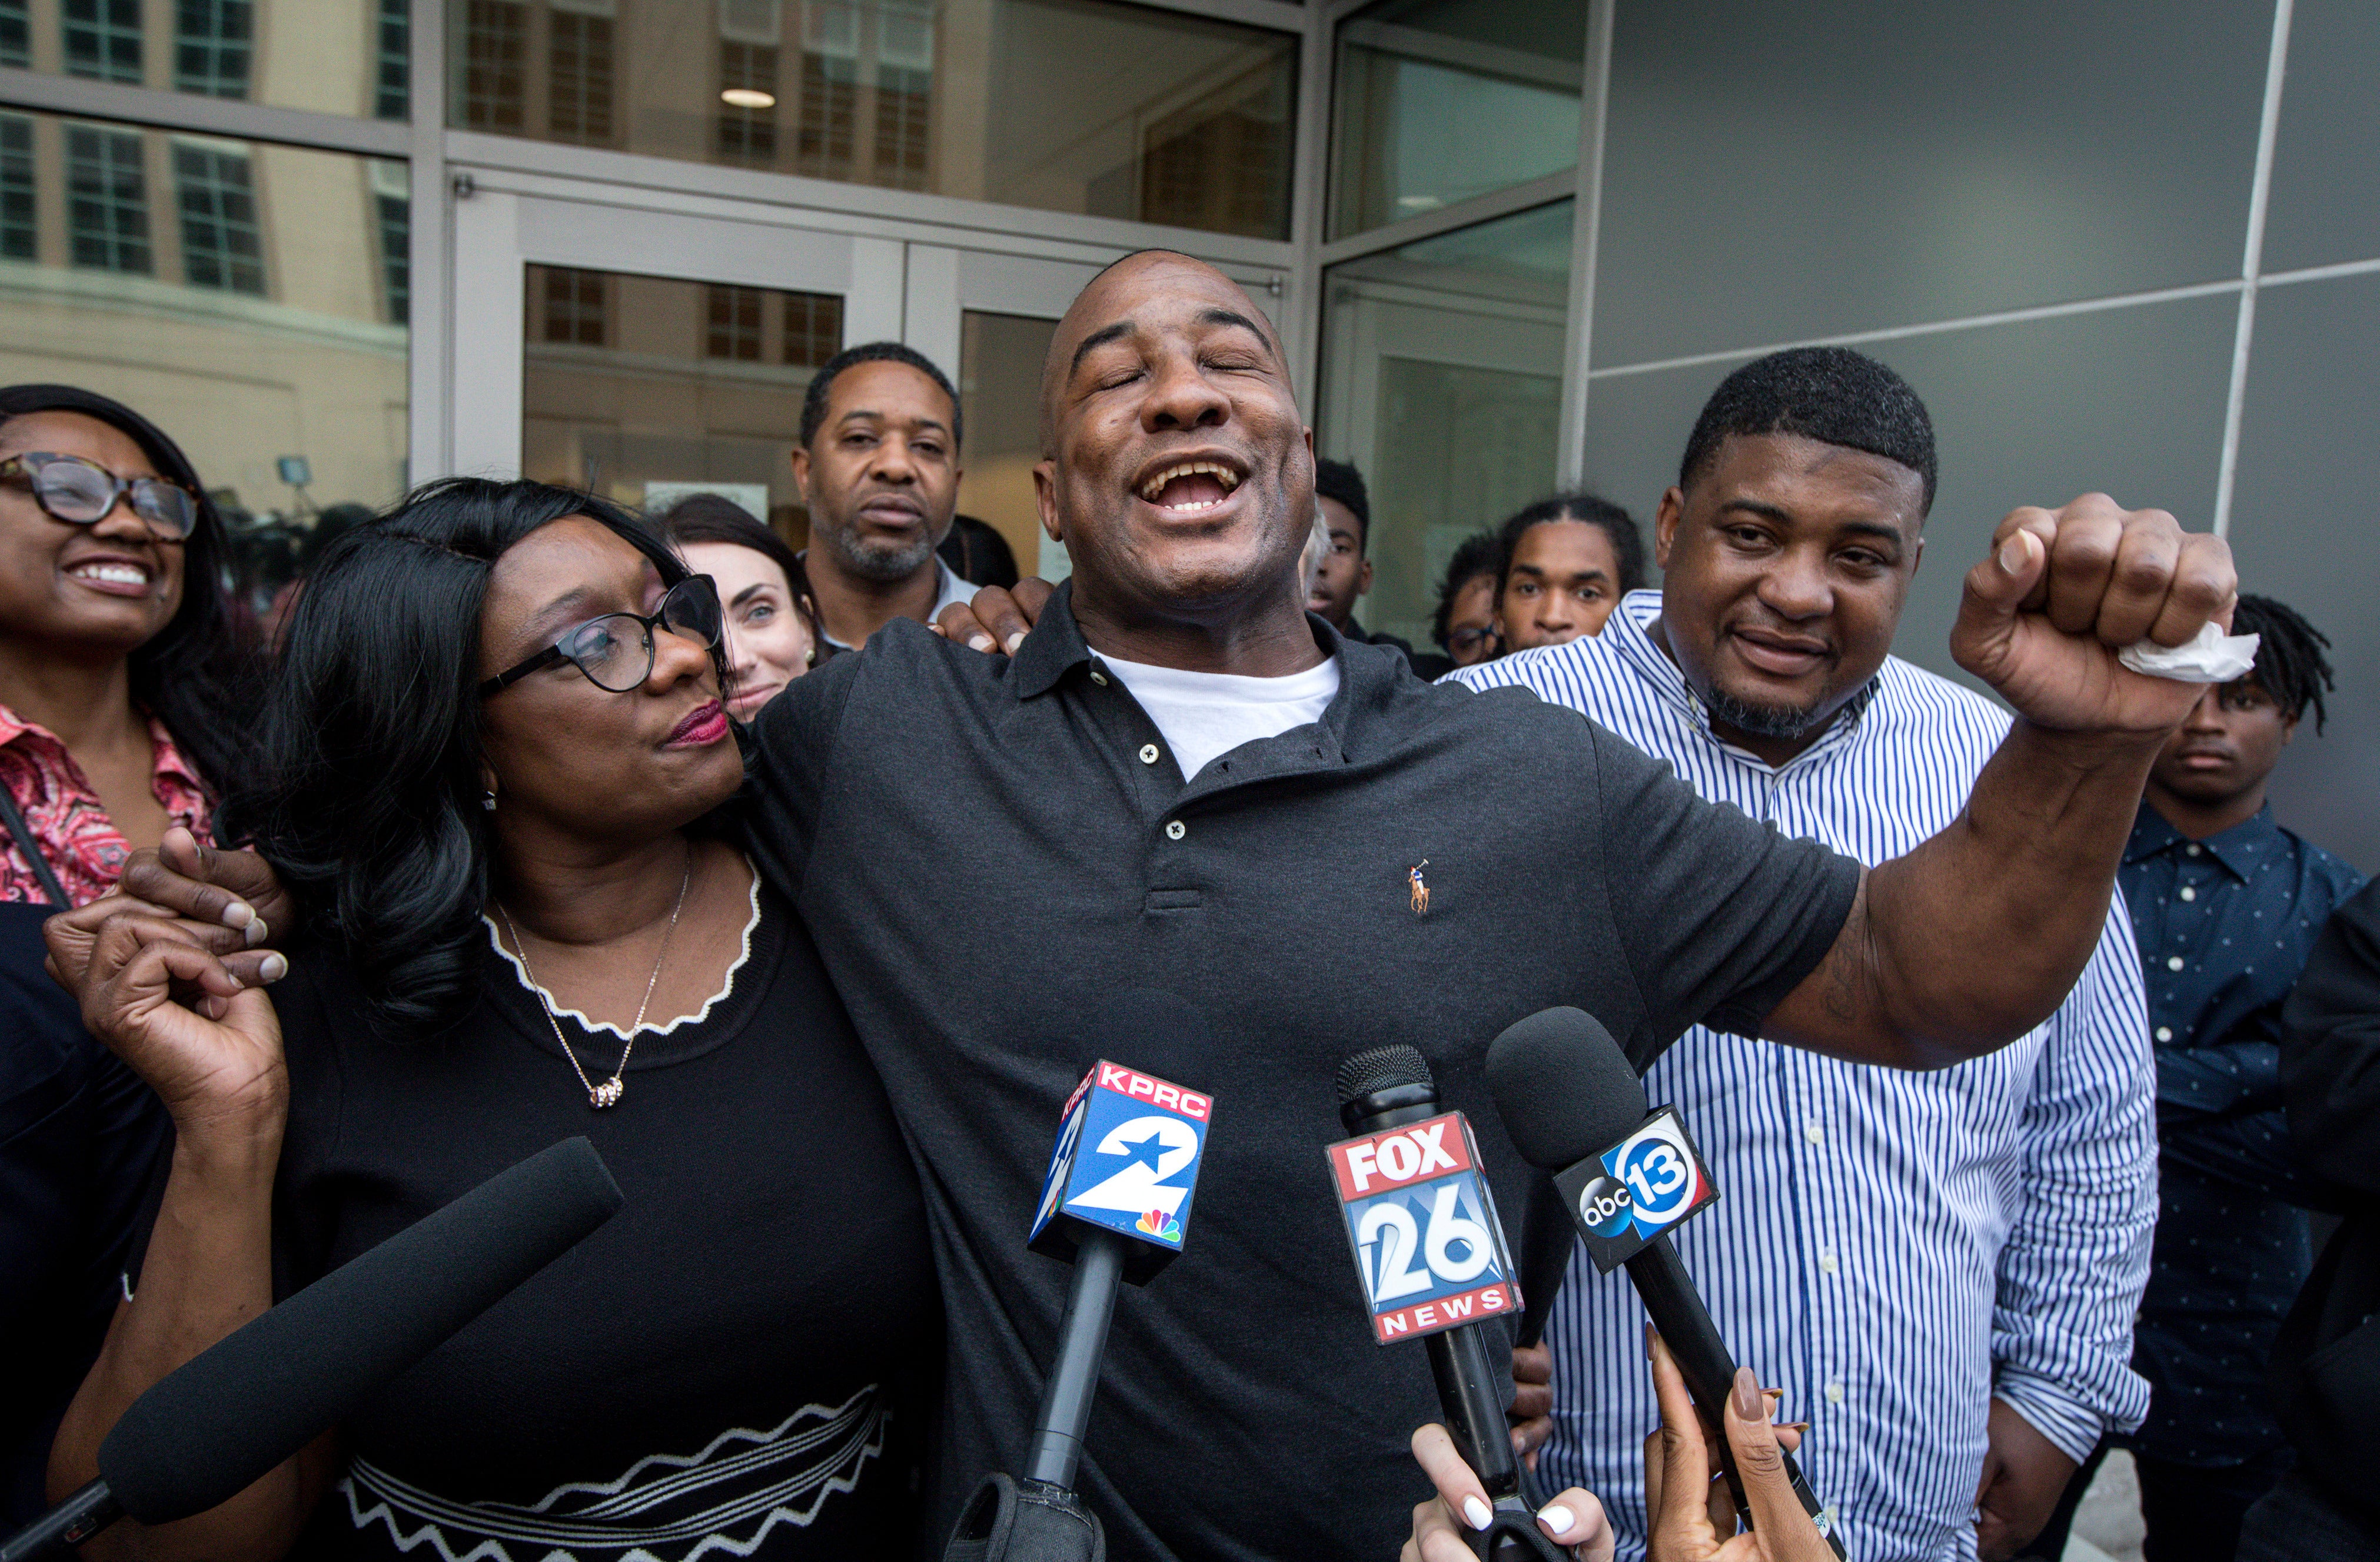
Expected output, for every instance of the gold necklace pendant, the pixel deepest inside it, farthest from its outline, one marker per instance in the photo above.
(607, 1093)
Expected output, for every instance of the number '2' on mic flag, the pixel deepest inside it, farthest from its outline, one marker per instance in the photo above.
(1428, 1248)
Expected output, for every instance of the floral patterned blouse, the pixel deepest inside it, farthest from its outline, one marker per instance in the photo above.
(81, 842)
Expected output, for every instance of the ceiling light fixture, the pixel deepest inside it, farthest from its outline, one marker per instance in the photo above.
(747, 97)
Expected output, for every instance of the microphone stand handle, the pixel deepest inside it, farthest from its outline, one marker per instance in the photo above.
(1057, 1446)
(91, 1510)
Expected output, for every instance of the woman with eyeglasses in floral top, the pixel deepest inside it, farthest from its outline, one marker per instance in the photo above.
(115, 647)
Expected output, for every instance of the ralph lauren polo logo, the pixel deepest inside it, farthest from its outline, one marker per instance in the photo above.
(1420, 887)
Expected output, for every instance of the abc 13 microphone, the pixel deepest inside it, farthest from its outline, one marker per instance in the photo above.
(1429, 1254)
(1628, 1176)
(1114, 1202)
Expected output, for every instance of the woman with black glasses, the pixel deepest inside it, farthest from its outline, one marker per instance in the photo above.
(495, 770)
(115, 655)
(115, 651)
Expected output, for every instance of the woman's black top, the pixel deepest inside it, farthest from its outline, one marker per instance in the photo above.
(730, 1368)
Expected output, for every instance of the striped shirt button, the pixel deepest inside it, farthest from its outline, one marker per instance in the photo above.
(1835, 1391)
(1827, 1260)
(1814, 1132)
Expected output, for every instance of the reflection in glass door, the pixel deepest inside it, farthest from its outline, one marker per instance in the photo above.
(646, 389)
(999, 387)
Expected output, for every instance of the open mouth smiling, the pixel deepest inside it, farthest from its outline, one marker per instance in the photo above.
(1188, 487)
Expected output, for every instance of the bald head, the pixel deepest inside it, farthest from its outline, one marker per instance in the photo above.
(1103, 311)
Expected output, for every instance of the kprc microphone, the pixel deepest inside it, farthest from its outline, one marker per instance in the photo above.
(1574, 1107)
(1115, 1201)
(1431, 1258)
(210, 1428)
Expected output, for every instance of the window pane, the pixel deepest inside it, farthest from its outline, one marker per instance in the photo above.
(1442, 100)
(646, 388)
(221, 248)
(1441, 381)
(2326, 160)
(237, 294)
(1067, 105)
(330, 56)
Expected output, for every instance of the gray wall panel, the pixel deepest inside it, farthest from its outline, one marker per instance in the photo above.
(1778, 173)
(2326, 199)
(2306, 527)
(2128, 401)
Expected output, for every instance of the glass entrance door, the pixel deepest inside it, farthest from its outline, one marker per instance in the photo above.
(664, 351)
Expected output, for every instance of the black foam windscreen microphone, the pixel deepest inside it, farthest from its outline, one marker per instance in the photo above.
(1568, 1095)
(217, 1424)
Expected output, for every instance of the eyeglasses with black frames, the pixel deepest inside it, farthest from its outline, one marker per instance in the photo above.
(70, 489)
(616, 651)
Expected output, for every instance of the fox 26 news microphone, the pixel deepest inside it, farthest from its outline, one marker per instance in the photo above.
(1430, 1256)
(1116, 1201)
(1574, 1107)
(211, 1429)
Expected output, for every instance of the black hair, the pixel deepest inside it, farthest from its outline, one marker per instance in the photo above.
(2289, 660)
(1482, 554)
(199, 674)
(1830, 394)
(363, 787)
(1340, 480)
(714, 517)
(822, 383)
(1627, 541)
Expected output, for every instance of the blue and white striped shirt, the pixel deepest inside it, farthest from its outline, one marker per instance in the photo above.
(1891, 1249)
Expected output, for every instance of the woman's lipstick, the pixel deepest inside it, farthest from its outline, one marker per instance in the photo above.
(704, 725)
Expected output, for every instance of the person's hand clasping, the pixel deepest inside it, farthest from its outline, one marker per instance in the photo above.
(996, 619)
(1683, 1489)
(229, 904)
(221, 1068)
(2043, 615)
(1575, 1518)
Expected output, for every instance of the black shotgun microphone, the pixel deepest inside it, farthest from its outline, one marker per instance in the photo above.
(213, 1426)
(1390, 1087)
(1574, 1107)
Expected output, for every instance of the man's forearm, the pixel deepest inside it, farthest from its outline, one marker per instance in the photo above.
(1981, 931)
(1974, 938)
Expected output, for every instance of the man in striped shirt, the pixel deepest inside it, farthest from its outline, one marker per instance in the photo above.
(1939, 1270)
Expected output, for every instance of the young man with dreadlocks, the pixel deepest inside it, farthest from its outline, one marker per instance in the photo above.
(2225, 905)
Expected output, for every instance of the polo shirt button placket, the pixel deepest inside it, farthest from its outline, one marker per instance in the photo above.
(1149, 753)
(1175, 829)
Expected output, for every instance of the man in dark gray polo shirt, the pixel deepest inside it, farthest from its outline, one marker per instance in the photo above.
(1181, 781)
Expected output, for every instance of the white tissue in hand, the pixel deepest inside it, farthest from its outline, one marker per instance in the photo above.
(2208, 657)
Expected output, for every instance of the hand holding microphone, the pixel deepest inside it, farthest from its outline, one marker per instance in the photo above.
(1678, 1471)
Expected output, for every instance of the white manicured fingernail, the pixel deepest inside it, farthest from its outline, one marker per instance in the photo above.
(1557, 1517)
(239, 914)
(272, 967)
(1478, 1512)
(1016, 640)
(2013, 555)
(980, 643)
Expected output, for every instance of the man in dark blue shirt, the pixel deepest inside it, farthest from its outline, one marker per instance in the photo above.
(2225, 907)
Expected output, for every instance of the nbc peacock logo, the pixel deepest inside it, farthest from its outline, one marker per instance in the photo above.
(1161, 1226)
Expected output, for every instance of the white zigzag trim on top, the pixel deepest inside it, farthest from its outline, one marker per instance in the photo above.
(855, 1430)
(590, 1027)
